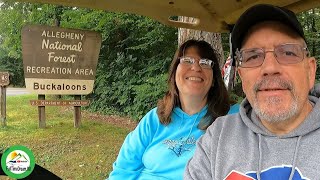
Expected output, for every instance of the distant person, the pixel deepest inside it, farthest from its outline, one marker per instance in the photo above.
(276, 134)
(226, 74)
(165, 138)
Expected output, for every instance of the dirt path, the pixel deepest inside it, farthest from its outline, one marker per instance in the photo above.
(110, 119)
(123, 122)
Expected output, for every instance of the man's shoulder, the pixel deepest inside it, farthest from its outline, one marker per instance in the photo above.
(230, 120)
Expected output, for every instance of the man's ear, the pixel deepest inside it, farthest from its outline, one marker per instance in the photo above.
(312, 63)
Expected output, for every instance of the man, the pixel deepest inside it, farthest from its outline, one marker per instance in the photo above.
(276, 134)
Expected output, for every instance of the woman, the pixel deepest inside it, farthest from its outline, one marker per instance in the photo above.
(165, 138)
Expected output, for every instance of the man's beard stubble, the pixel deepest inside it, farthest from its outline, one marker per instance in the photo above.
(279, 115)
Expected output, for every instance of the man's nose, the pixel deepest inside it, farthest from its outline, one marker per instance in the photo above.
(270, 65)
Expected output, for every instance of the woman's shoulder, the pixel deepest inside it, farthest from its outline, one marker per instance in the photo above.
(151, 117)
(152, 112)
(234, 109)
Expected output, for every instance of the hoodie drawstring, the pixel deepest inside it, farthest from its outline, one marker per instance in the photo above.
(295, 158)
(181, 121)
(260, 157)
(194, 121)
(293, 162)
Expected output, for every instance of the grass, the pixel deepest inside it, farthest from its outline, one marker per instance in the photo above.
(84, 153)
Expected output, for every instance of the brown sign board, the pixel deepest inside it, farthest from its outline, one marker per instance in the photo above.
(59, 60)
(59, 102)
(4, 79)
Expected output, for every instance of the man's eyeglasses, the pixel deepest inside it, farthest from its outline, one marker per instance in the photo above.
(203, 63)
(284, 54)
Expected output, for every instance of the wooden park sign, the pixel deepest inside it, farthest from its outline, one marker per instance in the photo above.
(58, 60)
(4, 82)
(4, 79)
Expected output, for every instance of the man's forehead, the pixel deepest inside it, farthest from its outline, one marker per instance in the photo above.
(274, 26)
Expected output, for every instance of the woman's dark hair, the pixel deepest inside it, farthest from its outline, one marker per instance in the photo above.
(217, 100)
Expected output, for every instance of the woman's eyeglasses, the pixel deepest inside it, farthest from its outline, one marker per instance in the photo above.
(203, 63)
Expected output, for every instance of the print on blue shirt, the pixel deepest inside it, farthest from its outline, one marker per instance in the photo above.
(181, 145)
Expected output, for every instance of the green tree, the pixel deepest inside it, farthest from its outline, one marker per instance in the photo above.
(310, 20)
(134, 57)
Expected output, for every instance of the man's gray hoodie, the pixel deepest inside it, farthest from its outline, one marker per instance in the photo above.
(239, 147)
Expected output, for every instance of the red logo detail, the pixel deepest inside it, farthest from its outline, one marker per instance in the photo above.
(234, 175)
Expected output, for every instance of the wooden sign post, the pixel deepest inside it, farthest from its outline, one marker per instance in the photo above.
(59, 61)
(4, 82)
(3, 106)
(77, 113)
(77, 103)
(42, 112)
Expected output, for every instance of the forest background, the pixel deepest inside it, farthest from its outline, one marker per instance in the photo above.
(134, 58)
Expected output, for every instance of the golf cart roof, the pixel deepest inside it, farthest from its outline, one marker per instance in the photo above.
(211, 15)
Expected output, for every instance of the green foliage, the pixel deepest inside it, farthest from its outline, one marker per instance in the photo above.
(15, 69)
(310, 20)
(13, 16)
(134, 57)
(147, 94)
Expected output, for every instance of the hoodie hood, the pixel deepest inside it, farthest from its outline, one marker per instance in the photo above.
(310, 124)
(181, 114)
(315, 91)
(238, 146)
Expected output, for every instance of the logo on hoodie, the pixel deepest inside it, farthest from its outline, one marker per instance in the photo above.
(179, 146)
(273, 173)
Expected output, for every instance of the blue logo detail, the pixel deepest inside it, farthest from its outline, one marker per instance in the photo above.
(278, 173)
(181, 145)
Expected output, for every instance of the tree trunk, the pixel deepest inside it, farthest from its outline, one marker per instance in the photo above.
(212, 38)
